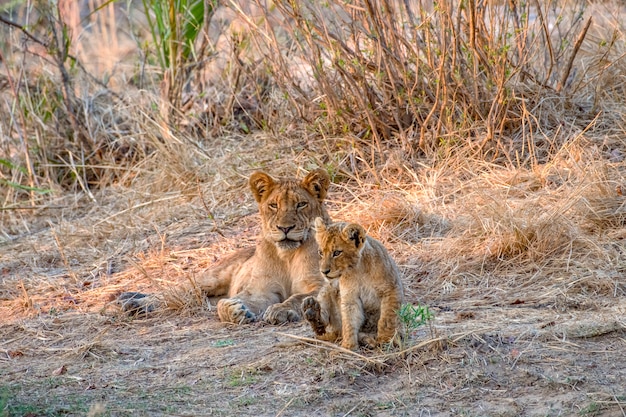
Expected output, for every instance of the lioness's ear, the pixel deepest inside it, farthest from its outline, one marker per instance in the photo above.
(260, 184)
(355, 233)
(319, 225)
(317, 183)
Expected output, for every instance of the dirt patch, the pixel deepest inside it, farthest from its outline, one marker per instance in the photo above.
(172, 365)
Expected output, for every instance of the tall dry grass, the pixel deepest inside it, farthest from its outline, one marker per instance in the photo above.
(504, 77)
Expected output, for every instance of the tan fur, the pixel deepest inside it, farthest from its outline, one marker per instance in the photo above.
(363, 292)
(272, 279)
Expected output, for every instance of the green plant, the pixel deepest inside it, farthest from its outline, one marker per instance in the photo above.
(593, 409)
(174, 26)
(223, 343)
(20, 172)
(4, 395)
(239, 378)
(413, 317)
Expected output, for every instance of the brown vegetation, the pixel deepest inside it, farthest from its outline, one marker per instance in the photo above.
(482, 142)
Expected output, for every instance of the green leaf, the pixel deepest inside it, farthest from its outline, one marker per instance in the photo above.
(11, 165)
(25, 187)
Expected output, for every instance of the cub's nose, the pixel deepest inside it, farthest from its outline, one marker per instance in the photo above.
(326, 271)
(285, 230)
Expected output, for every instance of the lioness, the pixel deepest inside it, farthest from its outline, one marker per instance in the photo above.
(271, 279)
(364, 291)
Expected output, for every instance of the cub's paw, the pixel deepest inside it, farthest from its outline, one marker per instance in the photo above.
(350, 344)
(233, 310)
(394, 339)
(368, 340)
(312, 314)
(279, 314)
(136, 303)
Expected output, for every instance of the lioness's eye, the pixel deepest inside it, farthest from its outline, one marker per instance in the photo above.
(273, 206)
(336, 253)
(302, 205)
(320, 253)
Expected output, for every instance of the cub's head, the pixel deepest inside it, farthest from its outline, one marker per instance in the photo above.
(289, 206)
(340, 246)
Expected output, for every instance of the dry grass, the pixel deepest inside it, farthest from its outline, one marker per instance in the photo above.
(498, 188)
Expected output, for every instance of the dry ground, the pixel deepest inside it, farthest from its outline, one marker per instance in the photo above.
(519, 334)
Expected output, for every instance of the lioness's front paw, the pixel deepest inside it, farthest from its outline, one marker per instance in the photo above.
(278, 314)
(233, 310)
(136, 303)
(312, 314)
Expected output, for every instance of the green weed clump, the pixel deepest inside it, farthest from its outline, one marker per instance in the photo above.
(412, 317)
(175, 26)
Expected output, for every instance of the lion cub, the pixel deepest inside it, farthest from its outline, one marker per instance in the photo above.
(363, 293)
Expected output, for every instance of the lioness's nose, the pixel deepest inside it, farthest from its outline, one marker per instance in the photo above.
(285, 230)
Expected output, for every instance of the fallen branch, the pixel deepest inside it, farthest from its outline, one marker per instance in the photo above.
(332, 347)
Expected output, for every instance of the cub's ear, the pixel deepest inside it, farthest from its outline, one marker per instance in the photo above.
(261, 184)
(355, 233)
(319, 225)
(317, 183)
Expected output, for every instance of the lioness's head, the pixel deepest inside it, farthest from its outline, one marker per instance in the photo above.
(289, 206)
(340, 246)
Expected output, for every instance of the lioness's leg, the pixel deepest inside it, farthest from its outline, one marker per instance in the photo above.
(233, 310)
(291, 308)
(217, 281)
(287, 311)
(214, 284)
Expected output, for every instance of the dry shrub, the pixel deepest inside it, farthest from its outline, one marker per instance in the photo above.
(388, 209)
(495, 78)
(379, 212)
(529, 234)
(606, 212)
(67, 128)
(229, 90)
(427, 74)
(603, 204)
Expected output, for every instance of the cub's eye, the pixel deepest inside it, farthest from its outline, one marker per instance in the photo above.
(337, 253)
(273, 206)
(320, 253)
(301, 205)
